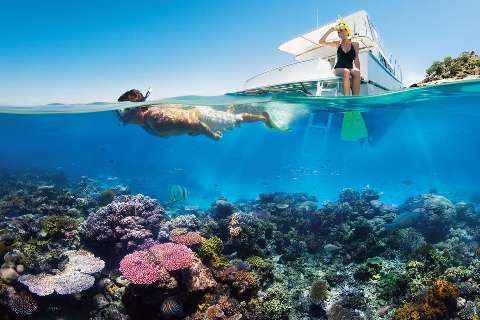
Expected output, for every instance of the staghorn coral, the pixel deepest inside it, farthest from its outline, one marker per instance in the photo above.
(125, 223)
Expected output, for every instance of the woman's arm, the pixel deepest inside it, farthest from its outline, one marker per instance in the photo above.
(323, 41)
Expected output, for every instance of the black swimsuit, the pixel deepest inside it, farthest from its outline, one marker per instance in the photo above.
(345, 59)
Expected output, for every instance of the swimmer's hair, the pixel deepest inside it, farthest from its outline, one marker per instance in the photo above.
(132, 95)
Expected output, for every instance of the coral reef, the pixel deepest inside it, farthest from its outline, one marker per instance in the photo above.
(91, 247)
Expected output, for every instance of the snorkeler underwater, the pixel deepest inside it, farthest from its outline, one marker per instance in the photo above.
(327, 180)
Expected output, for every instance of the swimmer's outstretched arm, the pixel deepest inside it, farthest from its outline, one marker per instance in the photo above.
(205, 129)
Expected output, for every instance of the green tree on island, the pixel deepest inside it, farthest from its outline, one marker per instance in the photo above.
(466, 64)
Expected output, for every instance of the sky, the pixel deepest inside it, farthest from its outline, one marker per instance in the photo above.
(85, 51)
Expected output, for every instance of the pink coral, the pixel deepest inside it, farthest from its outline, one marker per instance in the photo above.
(172, 256)
(140, 268)
(189, 238)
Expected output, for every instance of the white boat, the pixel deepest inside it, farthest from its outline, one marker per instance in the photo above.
(312, 71)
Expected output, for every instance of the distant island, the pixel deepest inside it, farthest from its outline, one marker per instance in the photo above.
(465, 66)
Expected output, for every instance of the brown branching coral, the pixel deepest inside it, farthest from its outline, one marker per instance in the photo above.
(439, 303)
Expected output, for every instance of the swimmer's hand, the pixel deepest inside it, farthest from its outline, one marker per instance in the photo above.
(217, 135)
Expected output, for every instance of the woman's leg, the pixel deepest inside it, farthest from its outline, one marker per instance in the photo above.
(355, 81)
(264, 117)
(345, 73)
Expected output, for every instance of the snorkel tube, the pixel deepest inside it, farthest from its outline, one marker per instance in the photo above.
(147, 94)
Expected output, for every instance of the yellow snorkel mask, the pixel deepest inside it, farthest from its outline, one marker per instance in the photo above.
(342, 25)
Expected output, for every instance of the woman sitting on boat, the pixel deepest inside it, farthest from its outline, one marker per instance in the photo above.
(347, 54)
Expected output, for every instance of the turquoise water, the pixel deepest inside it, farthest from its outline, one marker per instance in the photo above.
(419, 140)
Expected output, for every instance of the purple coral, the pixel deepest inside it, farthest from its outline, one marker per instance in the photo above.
(126, 222)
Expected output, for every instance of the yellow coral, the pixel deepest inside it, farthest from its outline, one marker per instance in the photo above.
(211, 249)
(414, 264)
(112, 290)
(445, 290)
(376, 276)
(202, 307)
(408, 311)
(258, 262)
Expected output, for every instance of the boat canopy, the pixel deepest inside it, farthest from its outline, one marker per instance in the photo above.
(303, 46)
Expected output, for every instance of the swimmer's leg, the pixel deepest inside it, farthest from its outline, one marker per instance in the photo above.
(264, 117)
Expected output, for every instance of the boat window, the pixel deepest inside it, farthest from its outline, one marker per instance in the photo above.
(385, 63)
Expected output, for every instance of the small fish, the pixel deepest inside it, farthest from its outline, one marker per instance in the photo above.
(407, 182)
(178, 193)
(282, 206)
(171, 307)
(329, 247)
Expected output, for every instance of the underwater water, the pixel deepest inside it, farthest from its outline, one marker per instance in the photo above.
(351, 208)
(419, 140)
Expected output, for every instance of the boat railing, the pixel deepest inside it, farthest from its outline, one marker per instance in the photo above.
(305, 70)
(279, 68)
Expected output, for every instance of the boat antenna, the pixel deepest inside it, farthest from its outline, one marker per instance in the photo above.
(317, 18)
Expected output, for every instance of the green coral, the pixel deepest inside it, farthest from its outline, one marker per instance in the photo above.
(276, 305)
(393, 285)
(36, 252)
(258, 262)
(211, 249)
(56, 225)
